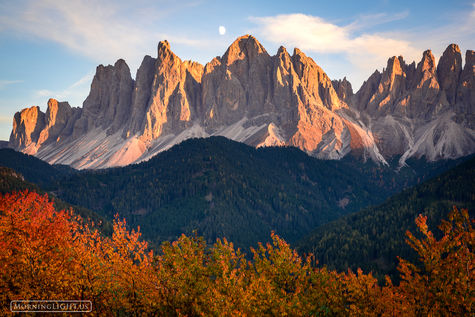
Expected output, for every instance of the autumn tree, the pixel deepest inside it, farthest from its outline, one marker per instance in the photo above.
(35, 248)
(49, 254)
(443, 284)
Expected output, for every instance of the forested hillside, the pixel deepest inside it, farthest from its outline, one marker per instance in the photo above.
(223, 188)
(12, 181)
(33, 169)
(373, 238)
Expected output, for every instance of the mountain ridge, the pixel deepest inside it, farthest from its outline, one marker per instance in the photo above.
(251, 97)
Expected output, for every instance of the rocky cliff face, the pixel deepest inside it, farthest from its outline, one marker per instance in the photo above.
(32, 128)
(109, 102)
(253, 97)
(343, 89)
(421, 111)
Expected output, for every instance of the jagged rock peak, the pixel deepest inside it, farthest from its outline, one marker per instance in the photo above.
(119, 67)
(281, 50)
(396, 65)
(343, 89)
(164, 52)
(453, 49)
(56, 118)
(298, 52)
(300, 59)
(466, 88)
(211, 65)
(469, 56)
(245, 46)
(451, 59)
(448, 71)
(162, 45)
(27, 125)
(55, 109)
(469, 68)
(427, 62)
(425, 75)
(121, 63)
(109, 99)
(283, 57)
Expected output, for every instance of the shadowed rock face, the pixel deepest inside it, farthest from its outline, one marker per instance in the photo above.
(424, 110)
(109, 102)
(249, 96)
(343, 89)
(465, 100)
(448, 71)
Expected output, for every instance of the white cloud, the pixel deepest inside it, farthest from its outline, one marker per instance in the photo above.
(315, 34)
(5, 83)
(103, 31)
(44, 93)
(362, 48)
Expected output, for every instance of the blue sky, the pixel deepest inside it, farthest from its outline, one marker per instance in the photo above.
(51, 48)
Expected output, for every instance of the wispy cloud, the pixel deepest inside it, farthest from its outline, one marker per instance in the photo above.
(74, 93)
(365, 21)
(103, 31)
(5, 83)
(315, 34)
(86, 79)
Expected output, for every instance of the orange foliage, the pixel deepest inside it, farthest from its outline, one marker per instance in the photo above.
(48, 254)
(444, 284)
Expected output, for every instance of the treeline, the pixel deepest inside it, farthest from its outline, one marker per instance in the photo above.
(52, 254)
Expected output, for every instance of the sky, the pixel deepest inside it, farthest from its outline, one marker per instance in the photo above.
(50, 48)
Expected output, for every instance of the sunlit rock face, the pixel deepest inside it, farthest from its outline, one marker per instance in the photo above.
(27, 126)
(250, 96)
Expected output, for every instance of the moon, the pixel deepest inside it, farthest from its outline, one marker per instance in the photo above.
(221, 30)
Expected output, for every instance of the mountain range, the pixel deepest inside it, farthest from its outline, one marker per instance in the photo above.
(407, 110)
